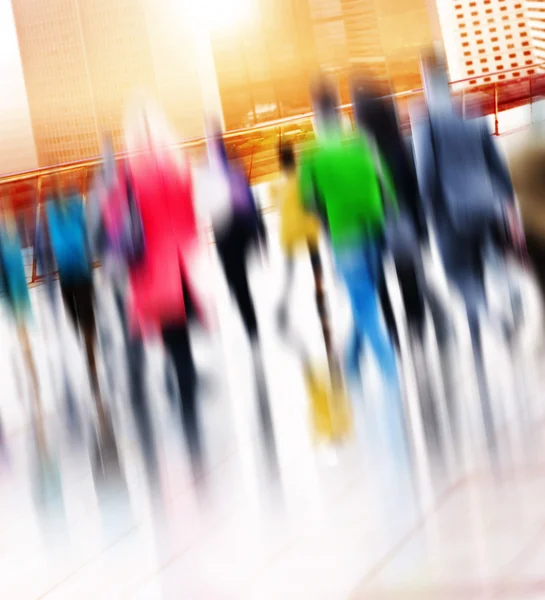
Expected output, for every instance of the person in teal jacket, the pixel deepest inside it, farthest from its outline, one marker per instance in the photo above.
(67, 230)
(18, 305)
(344, 180)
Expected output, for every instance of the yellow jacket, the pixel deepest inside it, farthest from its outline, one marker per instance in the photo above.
(297, 226)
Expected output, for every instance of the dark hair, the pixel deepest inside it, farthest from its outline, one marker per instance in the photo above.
(286, 156)
(324, 96)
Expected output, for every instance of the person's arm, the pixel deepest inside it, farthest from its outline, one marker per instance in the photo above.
(261, 230)
(510, 220)
(95, 224)
(387, 184)
(310, 194)
(425, 164)
(43, 250)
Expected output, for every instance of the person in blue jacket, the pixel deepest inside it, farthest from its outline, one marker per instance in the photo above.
(470, 198)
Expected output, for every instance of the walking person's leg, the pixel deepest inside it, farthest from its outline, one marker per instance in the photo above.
(177, 344)
(83, 305)
(386, 305)
(321, 305)
(37, 409)
(282, 311)
(357, 272)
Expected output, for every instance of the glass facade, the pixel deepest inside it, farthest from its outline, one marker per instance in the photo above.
(264, 68)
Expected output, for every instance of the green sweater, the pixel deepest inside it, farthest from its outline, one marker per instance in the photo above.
(338, 179)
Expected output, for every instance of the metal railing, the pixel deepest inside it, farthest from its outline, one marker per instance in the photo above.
(257, 145)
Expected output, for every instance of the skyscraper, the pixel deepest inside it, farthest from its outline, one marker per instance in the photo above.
(83, 60)
(484, 37)
(264, 67)
(535, 11)
(57, 80)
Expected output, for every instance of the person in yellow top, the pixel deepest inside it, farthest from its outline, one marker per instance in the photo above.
(299, 229)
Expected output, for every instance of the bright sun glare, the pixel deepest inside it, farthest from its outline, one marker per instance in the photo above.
(222, 15)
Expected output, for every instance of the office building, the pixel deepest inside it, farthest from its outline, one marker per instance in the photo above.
(535, 12)
(486, 40)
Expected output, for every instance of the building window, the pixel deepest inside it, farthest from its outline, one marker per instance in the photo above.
(501, 76)
(484, 60)
(469, 63)
(495, 49)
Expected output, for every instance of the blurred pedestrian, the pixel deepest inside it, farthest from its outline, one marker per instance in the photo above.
(339, 181)
(66, 231)
(238, 228)
(161, 197)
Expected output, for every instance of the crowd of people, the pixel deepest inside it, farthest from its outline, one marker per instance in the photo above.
(359, 194)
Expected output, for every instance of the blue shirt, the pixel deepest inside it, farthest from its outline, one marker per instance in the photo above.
(68, 234)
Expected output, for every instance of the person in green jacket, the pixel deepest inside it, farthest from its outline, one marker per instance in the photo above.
(343, 179)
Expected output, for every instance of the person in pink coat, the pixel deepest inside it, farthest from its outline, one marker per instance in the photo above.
(166, 277)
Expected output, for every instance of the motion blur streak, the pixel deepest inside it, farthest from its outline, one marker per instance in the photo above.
(324, 385)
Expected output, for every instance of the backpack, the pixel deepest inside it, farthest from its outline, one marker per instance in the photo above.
(471, 204)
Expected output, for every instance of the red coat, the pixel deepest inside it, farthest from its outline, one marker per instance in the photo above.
(164, 194)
